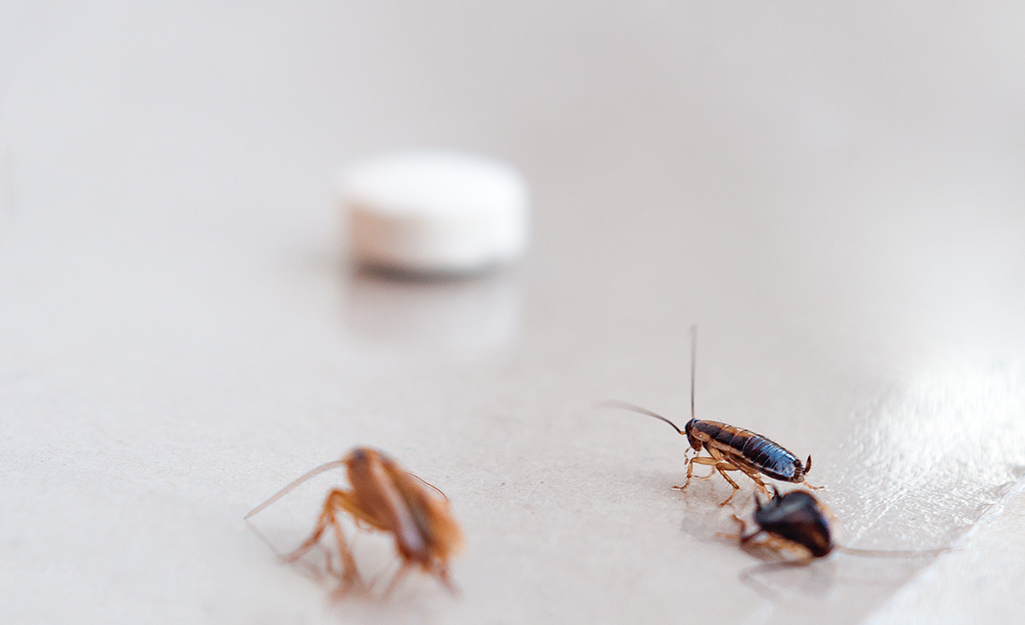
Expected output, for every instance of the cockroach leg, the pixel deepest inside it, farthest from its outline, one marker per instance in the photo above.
(757, 479)
(300, 551)
(690, 474)
(690, 470)
(349, 575)
(768, 543)
(399, 576)
(447, 581)
(715, 453)
(727, 464)
(722, 468)
(722, 465)
(740, 532)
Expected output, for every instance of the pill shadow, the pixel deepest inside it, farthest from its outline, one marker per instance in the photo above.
(372, 272)
(463, 314)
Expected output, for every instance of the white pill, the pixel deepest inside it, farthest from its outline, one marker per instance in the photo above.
(436, 212)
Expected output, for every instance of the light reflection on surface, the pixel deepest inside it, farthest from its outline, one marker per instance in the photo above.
(916, 471)
(927, 462)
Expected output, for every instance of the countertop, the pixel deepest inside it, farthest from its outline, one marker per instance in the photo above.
(833, 195)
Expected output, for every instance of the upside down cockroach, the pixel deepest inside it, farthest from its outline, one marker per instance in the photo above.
(386, 498)
(730, 448)
(796, 529)
(797, 520)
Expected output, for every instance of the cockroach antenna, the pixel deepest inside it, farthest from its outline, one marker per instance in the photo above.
(693, 360)
(615, 403)
(327, 466)
(612, 403)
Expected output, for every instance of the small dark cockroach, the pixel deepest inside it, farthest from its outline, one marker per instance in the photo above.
(795, 519)
(386, 498)
(730, 448)
(796, 529)
(799, 521)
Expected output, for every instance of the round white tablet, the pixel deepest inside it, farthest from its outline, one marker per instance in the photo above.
(436, 212)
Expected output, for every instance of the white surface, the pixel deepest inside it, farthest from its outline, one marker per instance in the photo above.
(834, 193)
(435, 211)
(981, 579)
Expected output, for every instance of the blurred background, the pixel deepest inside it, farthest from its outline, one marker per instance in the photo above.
(834, 194)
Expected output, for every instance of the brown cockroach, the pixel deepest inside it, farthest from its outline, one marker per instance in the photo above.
(730, 448)
(383, 497)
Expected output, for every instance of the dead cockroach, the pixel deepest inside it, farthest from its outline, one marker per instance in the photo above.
(730, 448)
(793, 520)
(383, 497)
(799, 521)
(796, 529)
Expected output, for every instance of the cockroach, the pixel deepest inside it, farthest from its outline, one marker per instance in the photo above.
(795, 519)
(799, 521)
(730, 448)
(797, 529)
(383, 497)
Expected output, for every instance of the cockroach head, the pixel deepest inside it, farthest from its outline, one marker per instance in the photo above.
(361, 456)
(692, 438)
